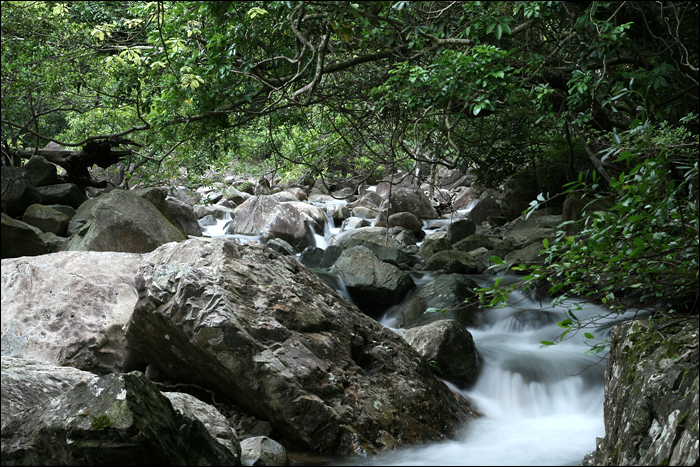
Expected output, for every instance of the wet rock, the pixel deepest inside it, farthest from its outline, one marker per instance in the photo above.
(69, 308)
(449, 349)
(432, 245)
(273, 336)
(280, 246)
(405, 219)
(115, 417)
(464, 197)
(311, 257)
(262, 450)
(448, 292)
(378, 235)
(473, 242)
(442, 258)
(183, 214)
(651, 395)
(46, 219)
(373, 283)
(352, 223)
(20, 239)
(337, 213)
(485, 207)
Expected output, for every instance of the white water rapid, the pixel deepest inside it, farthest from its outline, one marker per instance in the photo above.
(539, 406)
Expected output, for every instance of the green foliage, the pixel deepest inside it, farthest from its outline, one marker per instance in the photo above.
(643, 252)
(103, 422)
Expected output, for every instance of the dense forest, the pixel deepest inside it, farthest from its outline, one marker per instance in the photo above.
(605, 93)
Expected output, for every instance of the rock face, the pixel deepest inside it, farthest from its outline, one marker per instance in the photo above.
(120, 221)
(651, 395)
(120, 419)
(27, 383)
(269, 333)
(69, 308)
(371, 282)
(446, 292)
(18, 192)
(450, 346)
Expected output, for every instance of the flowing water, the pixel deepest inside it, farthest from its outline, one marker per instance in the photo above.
(539, 406)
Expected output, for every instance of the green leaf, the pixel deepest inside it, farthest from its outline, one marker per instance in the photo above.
(496, 260)
(545, 242)
(546, 343)
(589, 335)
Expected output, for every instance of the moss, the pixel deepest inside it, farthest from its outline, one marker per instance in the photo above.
(102, 422)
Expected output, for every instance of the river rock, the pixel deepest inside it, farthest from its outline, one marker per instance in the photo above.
(216, 424)
(459, 261)
(337, 213)
(263, 451)
(269, 333)
(119, 221)
(157, 197)
(464, 197)
(450, 347)
(352, 223)
(406, 220)
(433, 244)
(20, 239)
(183, 216)
(450, 292)
(63, 193)
(460, 230)
(372, 283)
(264, 215)
(53, 241)
(378, 235)
(69, 308)
(651, 395)
(28, 383)
(40, 171)
(17, 191)
(485, 207)
(409, 198)
(46, 219)
(120, 419)
(473, 242)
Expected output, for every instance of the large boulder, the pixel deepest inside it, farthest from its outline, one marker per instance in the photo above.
(69, 308)
(28, 383)
(20, 239)
(458, 261)
(269, 333)
(157, 197)
(114, 419)
(183, 214)
(18, 192)
(373, 284)
(486, 206)
(46, 219)
(378, 235)
(337, 213)
(459, 230)
(447, 297)
(405, 220)
(651, 395)
(120, 221)
(41, 172)
(263, 451)
(409, 198)
(264, 215)
(63, 193)
(450, 347)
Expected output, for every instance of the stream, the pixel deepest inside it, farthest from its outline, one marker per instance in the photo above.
(539, 406)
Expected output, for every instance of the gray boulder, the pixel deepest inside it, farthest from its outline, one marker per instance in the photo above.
(431, 245)
(373, 284)
(376, 235)
(63, 193)
(46, 219)
(20, 239)
(120, 221)
(18, 192)
(464, 197)
(69, 308)
(449, 292)
(353, 222)
(28, 383)
(157, 197)
(337, 213)
(406, 220)
(651, 395)
(120, 419)
(473, 242)
(41, 172)
(273, 336)
(216, 424)
(183, 214)
(460, 261)
(448, 345)
(264, 215)
(485, 207)
(53, 241)
(409, 198)
(459, 230)
(262, 451)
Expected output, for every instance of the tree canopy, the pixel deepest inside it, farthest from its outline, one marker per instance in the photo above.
(462, 84)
